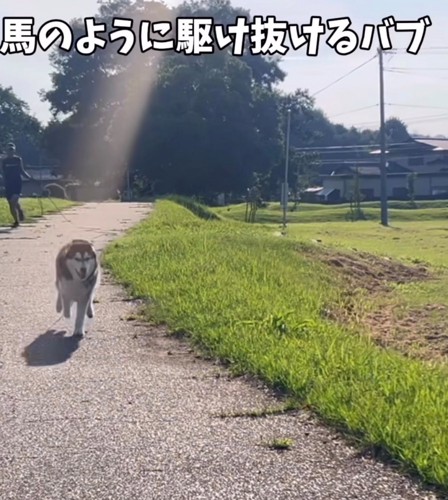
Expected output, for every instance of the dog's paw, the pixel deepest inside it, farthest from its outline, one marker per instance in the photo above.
(78, 335)
(90, 313)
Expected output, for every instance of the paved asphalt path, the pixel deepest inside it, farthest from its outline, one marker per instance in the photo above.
(128, 413)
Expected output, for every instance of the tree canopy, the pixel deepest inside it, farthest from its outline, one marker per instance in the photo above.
(18, 125)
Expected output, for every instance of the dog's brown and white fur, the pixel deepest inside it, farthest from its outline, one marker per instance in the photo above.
(77, 277)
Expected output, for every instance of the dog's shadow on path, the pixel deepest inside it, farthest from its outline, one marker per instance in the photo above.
(51, 348)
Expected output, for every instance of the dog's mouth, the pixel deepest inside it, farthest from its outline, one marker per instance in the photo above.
(81, 273)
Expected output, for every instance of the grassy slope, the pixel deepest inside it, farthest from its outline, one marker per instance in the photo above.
(255, 300)
(414, 236)
(32, 208)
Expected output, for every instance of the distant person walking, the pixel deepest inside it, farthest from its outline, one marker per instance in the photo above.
(12, 169)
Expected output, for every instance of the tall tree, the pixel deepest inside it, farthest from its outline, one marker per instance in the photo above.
(396, 130)
(218, 110)
(19, 126)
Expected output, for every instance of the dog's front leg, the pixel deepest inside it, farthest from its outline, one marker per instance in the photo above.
(67, 307)
(81, 309)
(90, 308)
(59, 303)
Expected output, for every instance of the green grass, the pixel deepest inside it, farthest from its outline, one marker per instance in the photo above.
(419, 241)
(423, 241)
(256, 301)
(33, 207)
(415, 236)
(280, 444)
(313, 213)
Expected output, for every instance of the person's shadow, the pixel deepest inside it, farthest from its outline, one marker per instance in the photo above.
(50, 348)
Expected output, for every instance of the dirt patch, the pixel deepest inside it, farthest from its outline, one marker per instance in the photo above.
(368, 302)
(420, 333)
(374, 273)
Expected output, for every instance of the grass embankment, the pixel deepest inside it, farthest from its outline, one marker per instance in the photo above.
(33, 208)
(258, 302)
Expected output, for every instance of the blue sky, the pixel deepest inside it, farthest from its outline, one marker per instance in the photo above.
(418, 96)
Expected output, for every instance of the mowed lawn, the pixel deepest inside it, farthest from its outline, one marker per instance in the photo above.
(33, 207)
(271, 306)
(413, 234)
(415, 241)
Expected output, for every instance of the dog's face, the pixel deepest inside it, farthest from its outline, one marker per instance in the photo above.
(81, 261)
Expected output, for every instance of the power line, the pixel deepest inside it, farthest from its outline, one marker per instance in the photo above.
(416, 73)
(424, 52)
(413, 71)
(412, 122)
(355, 110)
(423, 49)
(435, 118)
(419, 119)
(428, 116)
(344, 76)
(416, 106)
(416, 68)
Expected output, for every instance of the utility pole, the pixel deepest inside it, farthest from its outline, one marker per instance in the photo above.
(383, 169)
(285, 184)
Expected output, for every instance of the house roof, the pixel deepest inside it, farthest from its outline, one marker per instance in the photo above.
(416, 146)
(337, 158)
(326, 191)
(437, 144)
(369, 170)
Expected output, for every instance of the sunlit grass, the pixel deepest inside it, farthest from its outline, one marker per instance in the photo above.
(412, 241)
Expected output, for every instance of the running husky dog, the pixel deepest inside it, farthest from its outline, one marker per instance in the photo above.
(77, 276)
